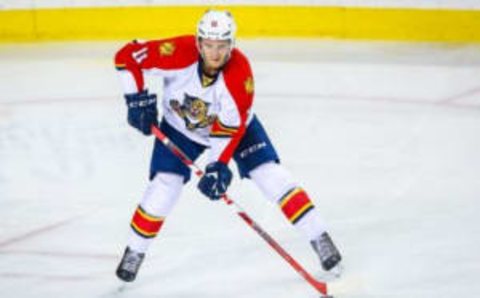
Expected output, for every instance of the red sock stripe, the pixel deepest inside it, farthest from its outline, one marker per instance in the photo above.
(145, 224)
(295, 204)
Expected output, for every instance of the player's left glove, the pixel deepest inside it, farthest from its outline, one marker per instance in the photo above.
(215, 181)
(142, 111)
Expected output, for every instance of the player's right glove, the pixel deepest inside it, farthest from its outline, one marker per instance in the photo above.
(142, 111)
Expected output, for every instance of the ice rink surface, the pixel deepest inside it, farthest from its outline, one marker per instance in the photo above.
(384, 136)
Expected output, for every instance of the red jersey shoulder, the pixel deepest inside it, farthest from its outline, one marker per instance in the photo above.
(239, 79)
(238, 65)
(177, 52)
(170, 53)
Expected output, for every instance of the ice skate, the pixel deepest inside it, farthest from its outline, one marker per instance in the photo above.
(328, 253)
(128, 268)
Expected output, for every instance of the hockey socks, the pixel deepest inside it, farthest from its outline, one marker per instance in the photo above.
(295, 204)
(157, 202)
(146, 225)
(297, 207)
(278, 186)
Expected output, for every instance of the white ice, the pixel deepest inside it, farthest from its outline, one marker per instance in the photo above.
(384, 136)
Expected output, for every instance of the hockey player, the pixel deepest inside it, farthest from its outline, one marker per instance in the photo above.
(207, 98)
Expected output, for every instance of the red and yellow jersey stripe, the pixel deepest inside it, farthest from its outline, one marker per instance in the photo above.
(238, 79)
(220, 130)
(120, 66)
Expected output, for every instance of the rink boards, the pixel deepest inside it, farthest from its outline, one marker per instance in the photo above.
(366, 23)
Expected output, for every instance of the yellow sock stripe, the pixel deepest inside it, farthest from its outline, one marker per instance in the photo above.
(149, 217)
(124, 23)
(142, 232)
(284, 200)
(301, 212)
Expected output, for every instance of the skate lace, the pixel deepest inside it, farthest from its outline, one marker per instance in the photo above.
(325, 248)
(131, 262)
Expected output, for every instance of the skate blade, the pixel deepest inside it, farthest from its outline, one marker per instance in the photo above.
(337, 271)
(118, 291)
(333, 274)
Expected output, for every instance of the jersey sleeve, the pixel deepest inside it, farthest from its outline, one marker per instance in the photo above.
(136, 57)
(230, 125)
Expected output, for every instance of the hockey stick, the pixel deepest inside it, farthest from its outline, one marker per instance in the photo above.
(318, 285)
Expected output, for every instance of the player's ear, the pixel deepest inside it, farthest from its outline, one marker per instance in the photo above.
(199, 43)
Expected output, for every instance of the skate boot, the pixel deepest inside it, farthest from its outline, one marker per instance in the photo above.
(326, 251)
(129, 265)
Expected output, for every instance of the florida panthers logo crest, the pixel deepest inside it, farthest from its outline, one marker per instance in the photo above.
(193, 111)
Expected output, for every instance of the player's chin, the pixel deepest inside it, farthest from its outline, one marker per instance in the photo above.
(215, 64)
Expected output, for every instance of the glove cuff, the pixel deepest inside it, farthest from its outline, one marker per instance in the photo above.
(140, 99)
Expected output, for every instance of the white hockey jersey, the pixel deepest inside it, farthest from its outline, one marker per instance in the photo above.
(212, 112)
